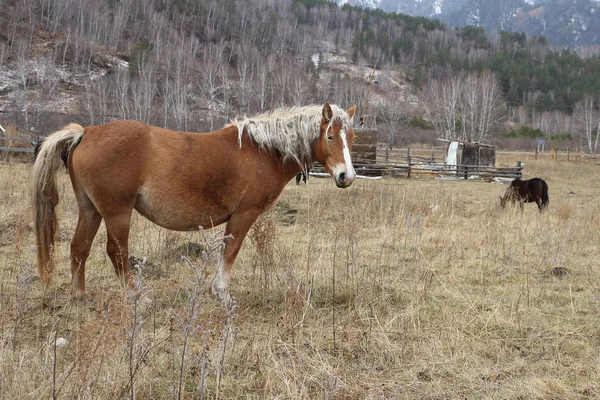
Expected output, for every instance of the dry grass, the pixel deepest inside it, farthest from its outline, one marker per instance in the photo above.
(389, 289)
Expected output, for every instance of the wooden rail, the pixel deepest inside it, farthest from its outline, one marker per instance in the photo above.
(16, 149)
(16, 139)
(434, 171)
(6, 149)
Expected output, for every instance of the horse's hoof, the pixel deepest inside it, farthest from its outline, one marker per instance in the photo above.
(217, 290)
(223, 296)
(78, 295)
(221, 293)
(219, 284)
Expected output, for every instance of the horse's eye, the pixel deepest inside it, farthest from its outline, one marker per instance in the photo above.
(330, 138)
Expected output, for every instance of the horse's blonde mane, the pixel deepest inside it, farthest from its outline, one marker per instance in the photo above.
(290, 131)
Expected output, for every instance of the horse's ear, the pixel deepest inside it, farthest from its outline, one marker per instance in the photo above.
(327, 113)
(351, 111)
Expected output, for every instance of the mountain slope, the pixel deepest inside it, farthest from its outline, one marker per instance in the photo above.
(572, 23)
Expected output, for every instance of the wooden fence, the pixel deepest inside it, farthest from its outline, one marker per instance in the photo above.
(434, 171)
(10, 149)
(423, 168)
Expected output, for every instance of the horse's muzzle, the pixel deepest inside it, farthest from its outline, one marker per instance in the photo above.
(343, 180)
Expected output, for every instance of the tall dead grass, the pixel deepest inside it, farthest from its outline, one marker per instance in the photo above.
(389, 289)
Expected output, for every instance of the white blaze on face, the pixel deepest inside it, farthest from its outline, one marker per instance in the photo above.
(347, 167)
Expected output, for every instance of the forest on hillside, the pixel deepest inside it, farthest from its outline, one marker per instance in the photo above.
(193, 65)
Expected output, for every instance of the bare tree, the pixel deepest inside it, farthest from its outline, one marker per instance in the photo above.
(212, 81)
(441, 103)
(587, 118)
(469, 107)
(89, 104)
(245, 76)
(265, 70)
(300, 90)
(492, 106)
(45, 79)
(281, 82)
(394, 116)
(143, 92)
(102, 90)
(451, 92)
(121, 94)
(4, 53)
(22, 72)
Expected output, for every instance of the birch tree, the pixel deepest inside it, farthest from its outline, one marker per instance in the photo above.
(394, 117)
(492, 106)
(441, 102)
(143, 92)
(465, 107)
(587, 118)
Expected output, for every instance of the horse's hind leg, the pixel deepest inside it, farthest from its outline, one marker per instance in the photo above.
(87, 225)
(117, 231)
(541, 205)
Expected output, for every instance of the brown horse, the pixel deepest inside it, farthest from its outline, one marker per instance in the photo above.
(529, 191)
(181, 181)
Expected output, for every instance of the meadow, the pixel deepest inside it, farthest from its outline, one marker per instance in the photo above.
(390, 289)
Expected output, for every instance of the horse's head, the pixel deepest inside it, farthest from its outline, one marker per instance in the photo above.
(333, 146)
(503, 202)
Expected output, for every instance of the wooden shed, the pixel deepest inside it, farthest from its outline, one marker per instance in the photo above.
(464, 152)
(364, 147)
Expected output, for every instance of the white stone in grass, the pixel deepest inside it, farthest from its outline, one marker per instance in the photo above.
(60, 342)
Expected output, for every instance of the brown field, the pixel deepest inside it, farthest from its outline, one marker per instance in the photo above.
(391, 289)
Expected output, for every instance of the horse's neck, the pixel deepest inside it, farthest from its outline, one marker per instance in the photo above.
(289, 167)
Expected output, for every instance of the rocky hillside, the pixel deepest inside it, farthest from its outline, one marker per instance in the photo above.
(193, 66)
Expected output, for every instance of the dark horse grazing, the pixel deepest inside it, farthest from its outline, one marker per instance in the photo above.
(181, 180)
(302, 175)
(529, 191)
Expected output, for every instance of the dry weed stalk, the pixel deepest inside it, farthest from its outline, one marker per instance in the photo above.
(262, 235)
(137, 347)
(188, 323)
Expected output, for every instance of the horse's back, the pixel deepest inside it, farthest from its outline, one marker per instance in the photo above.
(537, 185)
(534, 190)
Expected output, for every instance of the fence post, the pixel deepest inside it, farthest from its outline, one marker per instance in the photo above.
(408, 155)
(536, 152)
(466, 172)
(520, 169)
(568, 158)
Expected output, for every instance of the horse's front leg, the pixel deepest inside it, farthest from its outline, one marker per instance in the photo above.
(238, 226)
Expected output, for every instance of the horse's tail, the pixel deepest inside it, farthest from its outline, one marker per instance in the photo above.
(45, 193)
